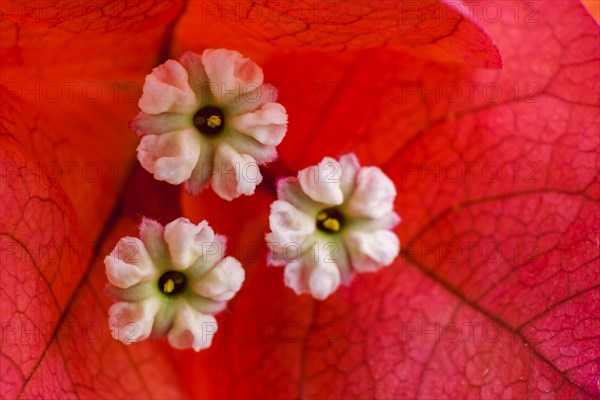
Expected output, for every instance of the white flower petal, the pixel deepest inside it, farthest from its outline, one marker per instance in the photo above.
(203, 171)
(267, 125)
(290, 224)
(222, 282)
(253, 100)
(167, 89)
(230, 74)
(350, 167)
(289, 190)
(192, 329)
(205, 305)
(142, 291)
(187, 241)
(132, 322)
(244, 144)
(157, 124)
(373, 196)
(315, 273)
(322, 182)
(129, 263)
(171, 156)
(371, 251)
(234, 174)
(295, 276)
(281, 253)
(152, 234)
(197, 78)
(388, 221)
(324, 280)
(213, 252)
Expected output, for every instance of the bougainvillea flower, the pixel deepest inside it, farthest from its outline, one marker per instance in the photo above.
(170, 282)
(209, 119)
(483, 114)
(335, 219)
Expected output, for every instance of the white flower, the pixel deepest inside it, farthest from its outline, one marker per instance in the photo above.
(170, 282)
(209, 120)
(332, 221)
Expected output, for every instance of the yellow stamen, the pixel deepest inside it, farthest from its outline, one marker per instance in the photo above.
(169, 286)
(322, 216)
(213, 121)
(332, 224)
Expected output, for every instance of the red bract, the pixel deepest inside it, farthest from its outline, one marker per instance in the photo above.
(496, 293)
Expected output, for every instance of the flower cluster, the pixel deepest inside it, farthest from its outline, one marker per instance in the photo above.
(210, 119)
(170, 282)
(331, 221)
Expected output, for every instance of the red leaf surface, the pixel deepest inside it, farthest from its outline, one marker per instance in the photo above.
(99, 17)
(496, 293)
(55, 342)
(441, 30)
(67, 96)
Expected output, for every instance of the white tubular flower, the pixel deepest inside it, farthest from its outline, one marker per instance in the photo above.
(332, 221)
(209, 120)
(170, 282)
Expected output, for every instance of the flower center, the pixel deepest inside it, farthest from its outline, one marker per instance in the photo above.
(171, 282)
(330, 220)
(209, 120)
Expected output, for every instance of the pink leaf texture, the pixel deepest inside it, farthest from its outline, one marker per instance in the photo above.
(485, 115)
